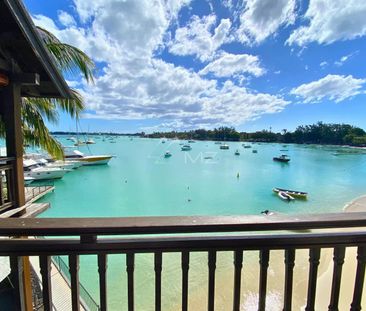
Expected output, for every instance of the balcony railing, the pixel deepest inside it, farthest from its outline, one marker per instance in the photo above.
(6, 183)
(161, 235)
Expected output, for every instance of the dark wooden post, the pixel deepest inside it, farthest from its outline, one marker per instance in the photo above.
(10, 100)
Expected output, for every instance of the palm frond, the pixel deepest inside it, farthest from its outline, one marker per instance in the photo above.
(36, 133)
(68, 58)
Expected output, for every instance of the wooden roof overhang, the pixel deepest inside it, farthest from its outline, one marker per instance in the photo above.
(24, 57)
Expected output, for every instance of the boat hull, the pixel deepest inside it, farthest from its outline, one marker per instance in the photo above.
(46, 175)
(95, 160)
(293, 193)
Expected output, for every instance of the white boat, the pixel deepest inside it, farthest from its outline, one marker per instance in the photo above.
(224, 147)
(285, 196)
(44, 160)
(90, 142)
(76, 155)
(186, 148)
(65, 165)
(35, 170)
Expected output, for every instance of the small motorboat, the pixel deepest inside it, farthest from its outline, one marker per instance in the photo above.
(293, 193)
(186, 148)
(285, 196)
(167, 154)
(282, 158)
(90, 142)
(237, 152)
(247, 146)
(191, 141)
(224, 147)
(217, 142)
(254, 151)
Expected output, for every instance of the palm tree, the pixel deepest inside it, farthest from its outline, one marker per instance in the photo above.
(35, 111)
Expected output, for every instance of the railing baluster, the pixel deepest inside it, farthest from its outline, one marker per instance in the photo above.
(74, 272)
(185, 268)
(211, 280)
(158, 262)
(289, 274)
(102, 269)
(130, 268)
(314, 257)
(238, 264)
(45, 265)
(360, 276)
(338, 259)
(263, 261)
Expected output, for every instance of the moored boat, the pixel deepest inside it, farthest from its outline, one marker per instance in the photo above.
(254, 151)
(224, 147)
(282, 158)
(186, 148)
(293, 193)
(37, 172)
(76, 155)
(167, 154)
(237, 152)
(285, 196)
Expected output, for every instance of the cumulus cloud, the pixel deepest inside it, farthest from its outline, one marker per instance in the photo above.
(135, 83)
(229, 64)
(200, 37)
(330, 21)
(332, 87)
(66, 19)
(262, 18)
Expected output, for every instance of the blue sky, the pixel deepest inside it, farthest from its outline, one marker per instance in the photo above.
(181, 64)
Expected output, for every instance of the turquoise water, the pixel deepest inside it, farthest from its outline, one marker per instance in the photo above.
(139, 181)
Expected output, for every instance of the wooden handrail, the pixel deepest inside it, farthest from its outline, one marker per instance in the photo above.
(176, 224)
(34, 247)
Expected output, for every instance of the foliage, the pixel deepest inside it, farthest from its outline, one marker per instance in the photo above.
(319, 133)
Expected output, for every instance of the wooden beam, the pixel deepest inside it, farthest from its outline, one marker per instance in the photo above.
(11, 101)
(26, 78)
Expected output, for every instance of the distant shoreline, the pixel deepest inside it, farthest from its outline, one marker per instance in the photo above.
(205, 140)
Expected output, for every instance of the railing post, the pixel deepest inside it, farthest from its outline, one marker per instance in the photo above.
(102, 269)
(130, 267)
(238, 264)
(264, 260)
(74, 272)
(211, 280)
(158, 262)
(45, 265)
(338, 259)
(360, 276)
(289, 273)
(185, 269)
(313, 273)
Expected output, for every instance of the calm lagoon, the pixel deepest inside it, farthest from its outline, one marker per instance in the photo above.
(139, 181)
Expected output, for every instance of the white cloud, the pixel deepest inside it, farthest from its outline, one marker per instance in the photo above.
(136, 84)
(262, 18)
(200, 38)
(323, 64)
(331, 87)
(330, 21)
(229, 64)
(66, 19)
(344, 59)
